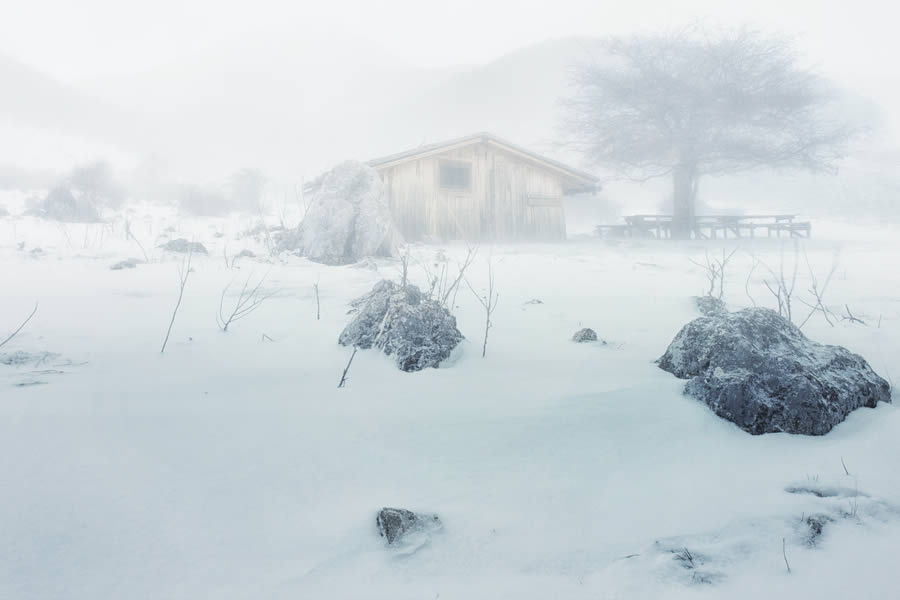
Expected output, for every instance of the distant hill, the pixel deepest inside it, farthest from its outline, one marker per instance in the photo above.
(277, 106)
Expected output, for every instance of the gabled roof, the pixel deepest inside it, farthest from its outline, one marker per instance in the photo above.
(575, 175)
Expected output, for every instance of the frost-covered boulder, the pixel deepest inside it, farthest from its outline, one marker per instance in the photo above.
(585, 335)
(757, 370)
(394, 524)
(348, 218)
(710, 306)
(405, 324)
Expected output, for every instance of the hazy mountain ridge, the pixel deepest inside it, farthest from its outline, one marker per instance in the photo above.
(273, 106)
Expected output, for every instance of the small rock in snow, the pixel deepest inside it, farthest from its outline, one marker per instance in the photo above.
(184, 246)
(585, 335)
(128, 263)
(395, 523)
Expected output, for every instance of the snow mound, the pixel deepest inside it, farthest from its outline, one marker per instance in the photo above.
(757, 370)
(404, 323)
(348, 219)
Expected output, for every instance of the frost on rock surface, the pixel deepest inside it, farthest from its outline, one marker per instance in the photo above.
(757, 370)
(348, 219)
(405, 324)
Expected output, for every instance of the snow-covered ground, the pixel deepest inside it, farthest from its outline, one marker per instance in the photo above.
(232, 466)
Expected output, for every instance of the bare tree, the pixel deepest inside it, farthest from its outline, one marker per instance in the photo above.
(749, 278)
(129, 234)
(817, 292)
(781, 286)
(488, 302)
(695, 102)
(441, 287)
(448, 291)
(184, 270)
(249, 299)
(715, 272)
(20, 327)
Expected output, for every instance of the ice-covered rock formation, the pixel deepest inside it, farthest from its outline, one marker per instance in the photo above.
(348, 218)
(405, 324)
(759, 371)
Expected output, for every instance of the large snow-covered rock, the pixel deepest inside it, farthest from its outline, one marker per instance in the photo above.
(348, 218)
(405, 324)
(759, 371)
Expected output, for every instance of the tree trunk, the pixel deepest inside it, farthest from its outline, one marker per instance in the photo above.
(684, 179)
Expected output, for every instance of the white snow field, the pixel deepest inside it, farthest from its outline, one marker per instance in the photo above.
(232, 466)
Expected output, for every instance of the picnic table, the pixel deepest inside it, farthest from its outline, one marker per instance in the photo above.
(711, 226)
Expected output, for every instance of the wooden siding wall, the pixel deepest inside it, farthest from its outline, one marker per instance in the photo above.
(510, 198)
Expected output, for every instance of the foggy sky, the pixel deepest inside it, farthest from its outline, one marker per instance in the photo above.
(147, 73)
(76, 40)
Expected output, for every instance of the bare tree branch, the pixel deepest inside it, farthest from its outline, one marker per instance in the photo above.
(20, 327)
(488, 302)
(248, 301)
(184, 270)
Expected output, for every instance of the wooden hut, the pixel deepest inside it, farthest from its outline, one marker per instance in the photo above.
(477, 188)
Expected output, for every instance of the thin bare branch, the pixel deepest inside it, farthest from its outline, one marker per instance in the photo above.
(20, 327)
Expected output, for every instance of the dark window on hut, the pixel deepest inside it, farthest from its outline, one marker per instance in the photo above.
(456, 175)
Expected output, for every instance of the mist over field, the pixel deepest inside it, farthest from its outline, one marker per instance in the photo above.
(449, 300)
